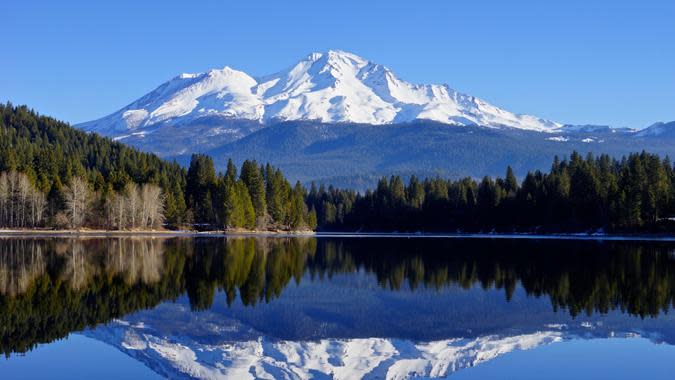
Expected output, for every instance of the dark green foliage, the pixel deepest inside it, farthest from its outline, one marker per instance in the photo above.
(201, 188)
(297, 213)
(579, 194)
(50, 153)
(277, 193)
(247, 211)
(254, 179)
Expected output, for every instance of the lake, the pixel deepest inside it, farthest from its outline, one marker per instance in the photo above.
(336, 307)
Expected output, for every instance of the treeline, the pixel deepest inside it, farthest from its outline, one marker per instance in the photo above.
(56, 176)
(635, 193)
(259, 197)
(23, 205)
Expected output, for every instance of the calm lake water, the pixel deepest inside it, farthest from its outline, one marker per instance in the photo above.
(341, 307)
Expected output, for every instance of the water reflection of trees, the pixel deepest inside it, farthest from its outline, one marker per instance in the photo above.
(578, 276)
(51, 287)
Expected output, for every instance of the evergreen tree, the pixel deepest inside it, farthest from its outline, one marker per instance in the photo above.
(276, 193)
(253, 179)
(298, 211)
(311, 219)
(510, 183)
(249, 216)
(230, 173)
(201, 183)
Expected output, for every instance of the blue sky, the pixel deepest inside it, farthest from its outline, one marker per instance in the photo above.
(600, 62)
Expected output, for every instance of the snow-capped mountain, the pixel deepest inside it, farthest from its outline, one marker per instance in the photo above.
(227, 349)
(335, 116)
(266, 358)
(331, 87)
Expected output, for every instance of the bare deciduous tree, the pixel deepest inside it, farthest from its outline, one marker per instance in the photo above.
(38, 202)
(78, 197)
(5, 199)
(21, 205)
(137, 207)
(152, 201)
(116, 212)
(133, 203)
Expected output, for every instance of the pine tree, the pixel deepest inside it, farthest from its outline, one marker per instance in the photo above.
(415, 193)
(511, 183)
(249, 217)
(252, 177)
(230, 173)
(234, 212)
(201, 182)
(298, 209)
(276, 194)
(311, 219)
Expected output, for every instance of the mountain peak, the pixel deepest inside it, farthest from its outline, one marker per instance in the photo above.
(335, 54)
(332, 87)
(345, 56)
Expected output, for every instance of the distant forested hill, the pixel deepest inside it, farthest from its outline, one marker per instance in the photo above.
(53, 175)
(50, 153)
(356, 155)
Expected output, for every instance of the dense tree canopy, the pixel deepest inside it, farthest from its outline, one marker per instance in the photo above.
(52, 154)
(53, 175)
(259, 198)
(635, 193)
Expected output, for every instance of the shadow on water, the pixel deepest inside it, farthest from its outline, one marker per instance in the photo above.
(51, 287)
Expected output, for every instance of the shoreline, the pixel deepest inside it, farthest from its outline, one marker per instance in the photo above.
(529, 236)
(328, 234)
(145, 233)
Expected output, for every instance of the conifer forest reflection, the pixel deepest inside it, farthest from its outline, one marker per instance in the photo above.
(54, 286)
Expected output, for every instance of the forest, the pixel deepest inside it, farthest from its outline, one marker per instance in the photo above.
(55, 176)
(579, 194)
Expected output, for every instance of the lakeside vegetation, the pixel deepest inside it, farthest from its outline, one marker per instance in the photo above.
(632, 194)
(54, 176)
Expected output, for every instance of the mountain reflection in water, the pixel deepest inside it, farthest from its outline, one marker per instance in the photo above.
(51, 287)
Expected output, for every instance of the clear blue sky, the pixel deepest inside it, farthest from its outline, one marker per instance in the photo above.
(601, 62)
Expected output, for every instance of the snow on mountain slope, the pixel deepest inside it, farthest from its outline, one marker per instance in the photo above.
(332, 87)
(183, 357)
(658, 129)
(223, 92)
